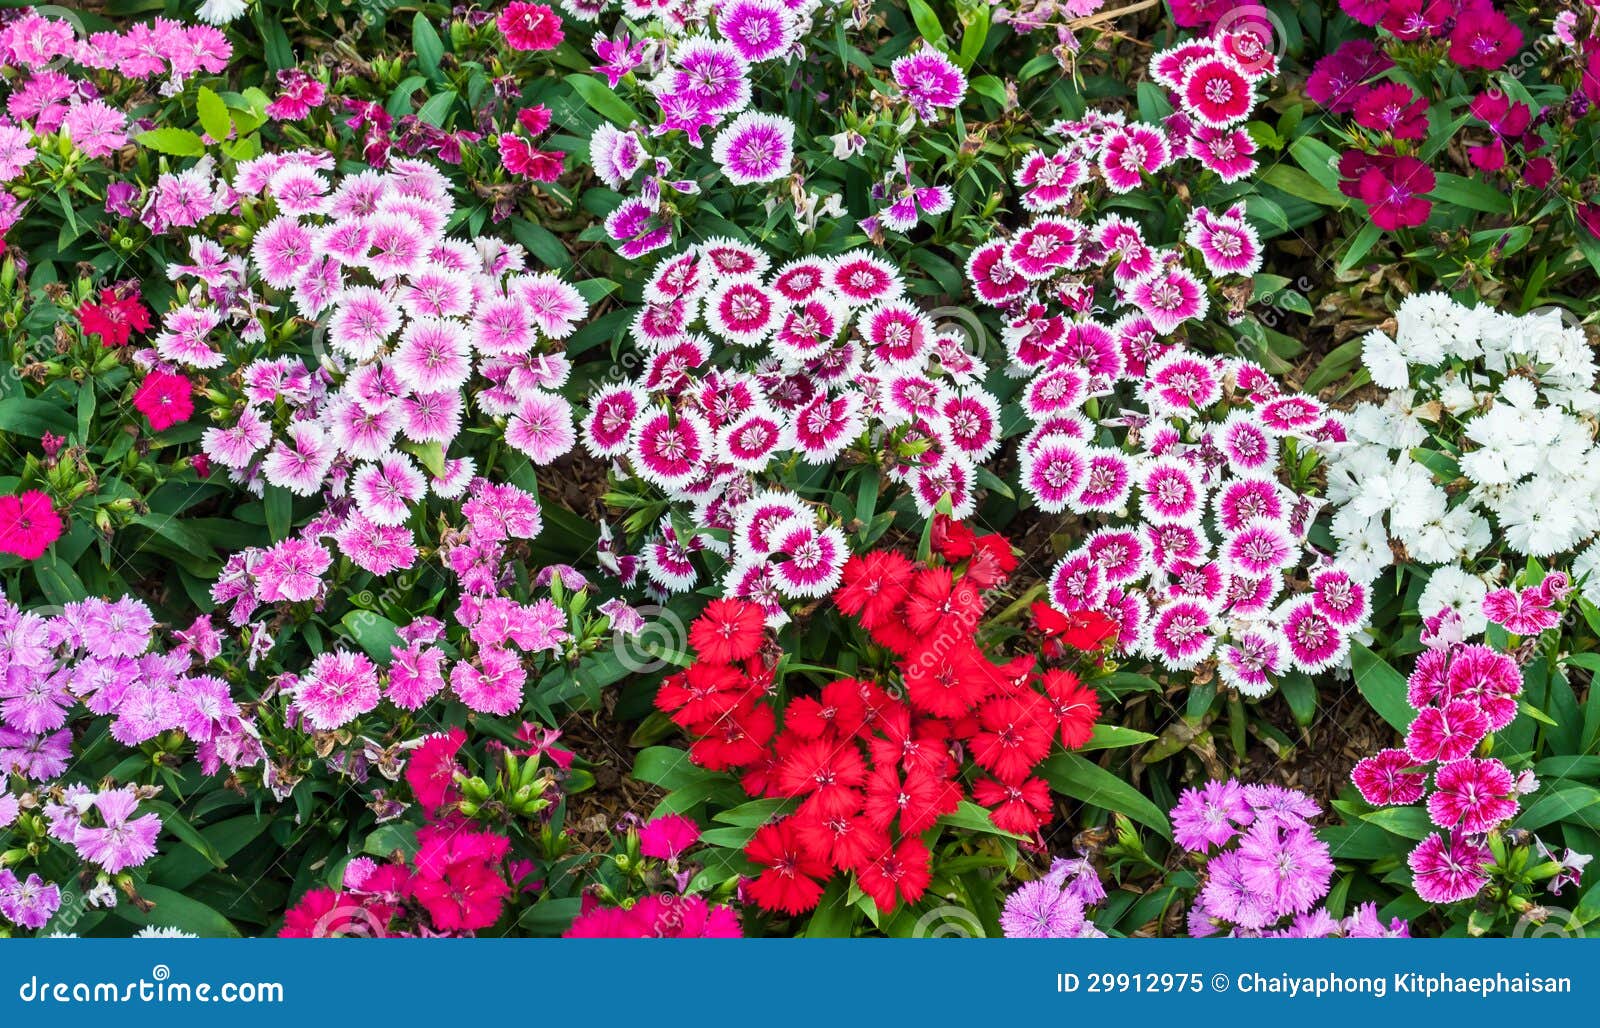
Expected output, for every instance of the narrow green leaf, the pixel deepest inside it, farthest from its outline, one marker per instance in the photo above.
(1072, 775)
(425, 40)
(1383, 686)
(602, 100)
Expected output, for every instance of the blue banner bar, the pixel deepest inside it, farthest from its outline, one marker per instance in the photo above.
(783, 981)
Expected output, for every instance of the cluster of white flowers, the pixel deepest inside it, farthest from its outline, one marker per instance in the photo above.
(1483, 448)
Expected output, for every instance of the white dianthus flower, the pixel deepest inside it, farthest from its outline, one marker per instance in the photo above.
(1431, 325)
(220, 12)
(1463, 593)
(1384, 361)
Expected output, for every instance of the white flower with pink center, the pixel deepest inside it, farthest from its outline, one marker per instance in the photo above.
(809, 560)
(386, 489)
(669, 448)
(754, 148)
(1182, 634)
(1054, 471)
(1171, 492)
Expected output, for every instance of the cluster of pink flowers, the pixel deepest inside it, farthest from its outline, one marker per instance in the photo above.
(100, 659)
(27, 902)
(458, 883)
(701, 73)
(1204, 569)
(410, 319)
(702, 66)
(1462, 693)
(56, 78)
(340, 685)
(750, 367)
(463, 875)
(1056, 905)
(104, 827)
(1269, 871)
(656, 916)
(34, 42)
(96, 657)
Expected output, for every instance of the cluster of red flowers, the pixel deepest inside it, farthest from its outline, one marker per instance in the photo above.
(114, 317)
(874, 764)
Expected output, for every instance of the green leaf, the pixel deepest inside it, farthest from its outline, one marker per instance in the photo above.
(1072, 775)
(755, 813)
(27, 416)
(728, 838)
(973, 35)
(180, 869)
(425, 40)
(1112, 737)
(927, 22)
(1301, 694)
(1471, 193)
(373, 632)
(176, 532)
(1557, 806)
(834, 918)
(1299, 184)
(275, 41)
(175, 910)
(178, 825)
(213, 115)
(59, 583)
(279, 507)
(1383, 686)
(1588, 909)
(551, 916)
(602, 100)
(174, 141)
(973, 818)
(391, 838)
(437, 109)
(1319, 161)
(668, 767)
(1410, 822)
(1360, 244)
